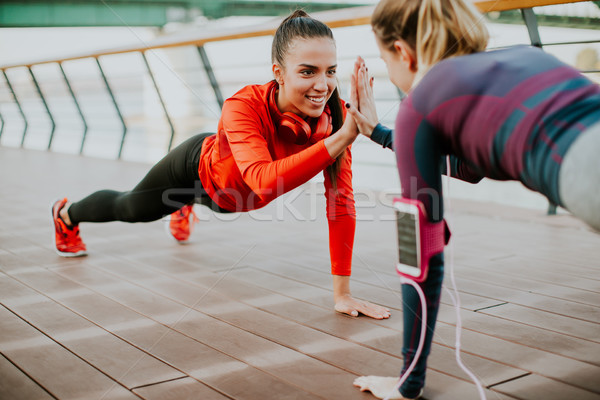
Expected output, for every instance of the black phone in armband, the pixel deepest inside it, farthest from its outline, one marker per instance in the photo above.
(409, 244)
(417, 238)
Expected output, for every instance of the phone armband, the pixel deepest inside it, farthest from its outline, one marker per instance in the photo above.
(418, 238)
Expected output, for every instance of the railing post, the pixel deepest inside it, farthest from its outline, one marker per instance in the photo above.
(162, 103)
(1, 128)
(211, 75)
(85, 125)
(14, 94)
(532, 26)
(39, 91)
(112, 96)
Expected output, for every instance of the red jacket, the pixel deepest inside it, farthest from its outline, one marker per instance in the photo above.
(246, 165)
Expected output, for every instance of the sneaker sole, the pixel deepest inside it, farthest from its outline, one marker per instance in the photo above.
(71, 255)
(62, 253)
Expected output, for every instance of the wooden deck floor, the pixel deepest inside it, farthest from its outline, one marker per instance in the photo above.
(245, 311)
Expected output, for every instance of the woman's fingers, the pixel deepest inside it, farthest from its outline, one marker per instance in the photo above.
(364, 84)
(353, 91)
(364, 124)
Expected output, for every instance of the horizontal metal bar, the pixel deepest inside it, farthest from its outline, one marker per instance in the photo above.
(570, 43)
(334, 18)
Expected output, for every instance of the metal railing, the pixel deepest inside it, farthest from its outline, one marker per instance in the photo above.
(197, 42)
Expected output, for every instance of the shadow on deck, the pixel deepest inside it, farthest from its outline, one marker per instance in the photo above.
(245, 310)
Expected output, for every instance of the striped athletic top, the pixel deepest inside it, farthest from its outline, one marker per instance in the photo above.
(508, 114)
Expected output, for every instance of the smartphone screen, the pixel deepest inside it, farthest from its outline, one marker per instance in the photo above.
(408, 239)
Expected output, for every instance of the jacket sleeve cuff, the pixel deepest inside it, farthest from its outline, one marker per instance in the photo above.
(382, 136)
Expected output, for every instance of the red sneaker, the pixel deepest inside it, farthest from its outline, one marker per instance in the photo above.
(67, 240)
(180, 226)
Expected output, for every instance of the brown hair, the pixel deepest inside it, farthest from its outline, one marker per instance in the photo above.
(299, 25)
(435, 29)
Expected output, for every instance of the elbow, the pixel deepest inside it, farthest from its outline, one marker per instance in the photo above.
(265, 187)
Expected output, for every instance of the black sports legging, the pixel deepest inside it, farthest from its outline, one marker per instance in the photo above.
(172, 183)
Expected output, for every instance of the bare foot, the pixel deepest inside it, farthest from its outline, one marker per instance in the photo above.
(379, 386)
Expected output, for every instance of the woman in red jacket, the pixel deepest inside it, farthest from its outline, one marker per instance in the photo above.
(271, 138)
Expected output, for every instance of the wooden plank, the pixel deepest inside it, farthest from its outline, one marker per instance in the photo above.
(534, 337)
(571, 372)
(557, 273)
(346, 353)
(561, 307)
(57, 370)
(217, 370)
(558, 323)
(15, 385)
(521, 275)
(278, 360)
(506, 352)
(503, 5)
(534, 387)
(179, 389)
(119, 360)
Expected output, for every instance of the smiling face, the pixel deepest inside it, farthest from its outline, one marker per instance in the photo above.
(308, 77)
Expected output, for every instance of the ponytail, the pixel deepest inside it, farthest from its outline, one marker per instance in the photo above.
(337, 120)
(435, 29)
(300, 25)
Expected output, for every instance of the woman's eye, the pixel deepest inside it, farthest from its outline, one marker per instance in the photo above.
(306, 72)
(332, 72)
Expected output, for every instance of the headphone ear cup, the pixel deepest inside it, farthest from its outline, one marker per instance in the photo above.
(294, 129)
(322, 128)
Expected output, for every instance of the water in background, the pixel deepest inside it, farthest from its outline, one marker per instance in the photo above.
(190, 100)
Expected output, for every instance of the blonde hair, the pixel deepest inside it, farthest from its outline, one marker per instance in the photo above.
(434, 29)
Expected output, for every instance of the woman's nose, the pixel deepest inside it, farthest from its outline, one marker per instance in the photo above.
(321, 83)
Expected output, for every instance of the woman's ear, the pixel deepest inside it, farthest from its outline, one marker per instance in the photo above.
(407, 54)
(278, 73)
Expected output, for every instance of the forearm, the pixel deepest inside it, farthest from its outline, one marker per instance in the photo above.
(271, 178)
(383, 136)
(338, 142)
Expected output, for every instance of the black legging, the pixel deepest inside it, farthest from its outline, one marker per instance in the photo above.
(172, 183)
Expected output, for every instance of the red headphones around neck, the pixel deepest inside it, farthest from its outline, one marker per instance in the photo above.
(293, 128)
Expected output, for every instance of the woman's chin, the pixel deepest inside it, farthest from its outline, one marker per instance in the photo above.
(314, 112)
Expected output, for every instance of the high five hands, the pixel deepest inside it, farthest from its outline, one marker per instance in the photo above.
(365, 116)
(361, 97)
